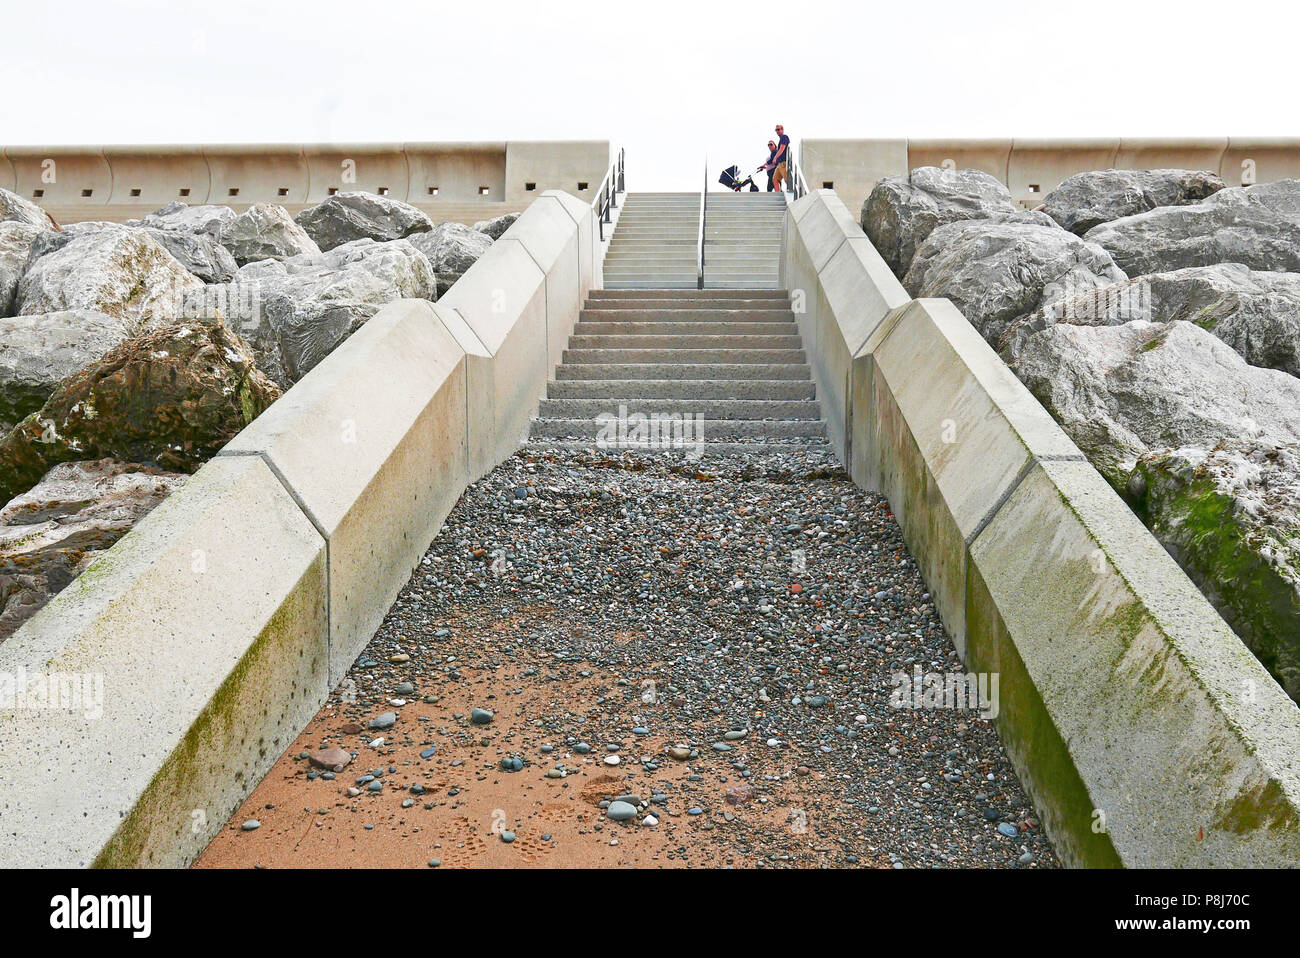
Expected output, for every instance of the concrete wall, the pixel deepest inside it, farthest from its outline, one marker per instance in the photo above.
(446, 180)
(1141, 726)
(218, 625)
(1032, 168)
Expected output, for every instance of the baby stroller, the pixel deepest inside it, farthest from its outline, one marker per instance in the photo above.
(730, 178)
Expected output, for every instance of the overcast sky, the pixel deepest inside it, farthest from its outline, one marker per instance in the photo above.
(670, 80)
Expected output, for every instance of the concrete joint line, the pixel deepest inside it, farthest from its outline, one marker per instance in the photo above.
(524, 246)
(1012, 487)
(822, 268)
(302, 506)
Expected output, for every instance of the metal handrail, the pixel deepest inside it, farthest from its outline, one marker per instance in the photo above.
(607, 193)
(799, 184)
(704, 212)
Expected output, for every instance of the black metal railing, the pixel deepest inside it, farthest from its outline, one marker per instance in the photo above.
(606, 200)
(704, 212)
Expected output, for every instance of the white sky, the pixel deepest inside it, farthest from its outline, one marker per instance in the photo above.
(670, 80)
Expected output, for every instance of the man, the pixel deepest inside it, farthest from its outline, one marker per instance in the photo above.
(779, 158)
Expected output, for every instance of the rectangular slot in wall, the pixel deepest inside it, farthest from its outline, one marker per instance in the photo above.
(38, 193)
(484, 190)
(582, 185)
(87, 192)
(185, 191)
(828, 184)
(383, 191)
(283, 191)
(233, 191)
(333, 190)
(433, 191)
(530, 187)
(135, 191)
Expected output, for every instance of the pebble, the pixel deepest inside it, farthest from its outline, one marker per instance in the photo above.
(620, 811)
(507, 837)
(387, 720)
(251, 825)
(612, 759)
(481, 716)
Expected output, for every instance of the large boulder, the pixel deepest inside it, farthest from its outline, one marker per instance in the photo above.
(265, 231)
(1230, 516)
(295, 311)
(16, 239)
(15, 209)
(1256, 313)
(1257, 226)
(496, 226)
(170, 397)
(1089, 199)
(903, 210)
(51, 533)
(997, 271)
(345, 217)
(39, 352)
(209, 219)
(198, 252)
(122, 272)
(452, 248)
(1121, 392)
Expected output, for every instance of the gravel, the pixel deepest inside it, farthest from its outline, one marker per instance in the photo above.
(742, 613)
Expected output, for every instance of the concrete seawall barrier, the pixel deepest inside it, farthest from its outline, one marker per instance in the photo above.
(464, 182)
(146, 700)
(1144, 730)
(1032, 168)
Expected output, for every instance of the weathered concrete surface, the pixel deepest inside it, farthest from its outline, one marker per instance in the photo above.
(210, 650)
(372, 446)
(1146, 732)
(1117, 676)
(842, 291)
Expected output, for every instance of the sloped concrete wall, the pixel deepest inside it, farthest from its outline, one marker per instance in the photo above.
(1144, 730)
(217, 626)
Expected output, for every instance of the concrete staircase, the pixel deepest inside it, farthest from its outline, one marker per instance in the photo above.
(742, 240)
(729, 362)
(655, 242)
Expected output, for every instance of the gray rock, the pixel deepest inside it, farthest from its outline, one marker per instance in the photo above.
(1230, 516)
(452, 247)
(39, 352)
(1257, 313)
(345, 217)
(386, 720)
(265, 231)
(197, 252)
(997, 271)
(1122, 392)
(16, 239)
(496, 226)
(207, 219)
(15, 209)
(1258, 226)
(1089, 199)
(51, 533)
(903, 210)
(620, 811)
(295, 311)
(480, 716)
(124, 273)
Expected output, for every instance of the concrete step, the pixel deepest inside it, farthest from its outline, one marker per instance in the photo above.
(672, 370)
(700, 294)
(693, 389)
(701, 327)
(708, 428)
(804, 410)
(658, 283)
(667, 311)
(749, 448)
(683, 356)
(603, 341)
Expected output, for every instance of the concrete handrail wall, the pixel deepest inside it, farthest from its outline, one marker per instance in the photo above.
(1032, 168)
(86, 182)
(1141, 726)
(218, 625)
